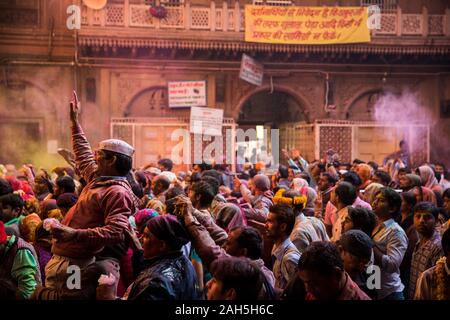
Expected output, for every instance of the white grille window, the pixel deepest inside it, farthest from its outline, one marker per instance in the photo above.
(273, 2)
(385, 5)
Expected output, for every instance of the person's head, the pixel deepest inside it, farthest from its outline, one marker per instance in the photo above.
(446, 244)
(404, 146)
(162, 235)
(160, 184)
(141, 218)
(201, 194)
(305, 176)
(42, 184)
(344, 194)
(364, 171)
(381, 177)
(355, 163)
(321, 269)
(352, 177)
(234, 279)
(359, 219)
(425, 217)
(64, 184)
(446, 198)
(200, 167)
(214, 174)
(408, 202)
(244, 242)
(387, 204)
(297, 207)
(355, 247)
(280, 221)
(215, 184)
(439, 170)
(326, 181)
(403, 172)
(260, 184)
(66, 201)
(170, 195)
(373, 165)
(114, 158)
(5, 187)
(165, 164)
(283, 172)
(11, 206)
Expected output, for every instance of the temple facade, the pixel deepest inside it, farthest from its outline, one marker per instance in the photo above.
(122, 57)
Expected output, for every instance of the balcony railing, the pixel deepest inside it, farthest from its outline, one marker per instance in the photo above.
(231, 19)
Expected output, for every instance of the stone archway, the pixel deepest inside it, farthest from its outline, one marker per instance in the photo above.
(301, 101)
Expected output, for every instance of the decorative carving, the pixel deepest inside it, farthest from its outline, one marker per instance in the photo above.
(115, 15)
(436, 24)
(200, 18)
(18, 17)
(174, 19)
(127, 88)
(412, 24)
(388, 24)
(140, 16)
(338, 139)
(219, 13)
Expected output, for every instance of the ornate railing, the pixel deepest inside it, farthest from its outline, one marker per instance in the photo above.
(231, 19)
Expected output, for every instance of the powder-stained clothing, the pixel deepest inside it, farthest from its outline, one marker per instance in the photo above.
(260, 205)
(19, 264)
(285, 258)
(425, 256)
(102, 210)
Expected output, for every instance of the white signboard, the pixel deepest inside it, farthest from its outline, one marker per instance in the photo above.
(187, 94)
(207, 121)
(251, 70)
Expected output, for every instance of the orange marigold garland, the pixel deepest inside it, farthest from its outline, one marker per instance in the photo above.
(279, 199)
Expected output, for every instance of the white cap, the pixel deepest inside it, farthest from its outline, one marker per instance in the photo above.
(116, 145)
(170, 175)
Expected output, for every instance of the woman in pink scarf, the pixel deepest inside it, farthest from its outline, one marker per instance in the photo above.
(428, 179)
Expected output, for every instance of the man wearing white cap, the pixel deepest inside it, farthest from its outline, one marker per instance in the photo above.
(96, 228)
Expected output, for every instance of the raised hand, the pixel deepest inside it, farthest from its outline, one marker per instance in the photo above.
(74, 107)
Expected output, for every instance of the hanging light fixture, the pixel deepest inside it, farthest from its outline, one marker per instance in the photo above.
(95, 4)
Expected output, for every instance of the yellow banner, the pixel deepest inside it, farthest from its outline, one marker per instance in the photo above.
(306, 25)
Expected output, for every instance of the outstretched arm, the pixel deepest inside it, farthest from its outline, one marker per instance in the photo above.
(84, 157)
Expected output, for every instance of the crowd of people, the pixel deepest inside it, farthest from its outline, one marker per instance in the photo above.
(319, 230)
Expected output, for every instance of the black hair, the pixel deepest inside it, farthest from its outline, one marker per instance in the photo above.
(402, 142)
(239, 274)
(214, 174)
(409, 198)
(203, 166)
(12, 200)
(170, 194)
(166, 163)
(284, 172)
(373, 164)
(196, 176)
(213, 182)
(252, 172)
(135, 186)
(250, 238)
(306, 176)
(206, 192)
(446, 242)
(404, 170)
(384, 177)
(331, 178)
(5, 187)
(322, 257)
(353, 178)
(358, 161)
(244, 176)
(428, 207)
(394, 200)
(346, 193)
(66, 183)
(363, 219)
(284, 214)
(446, 193)
(123, 163)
